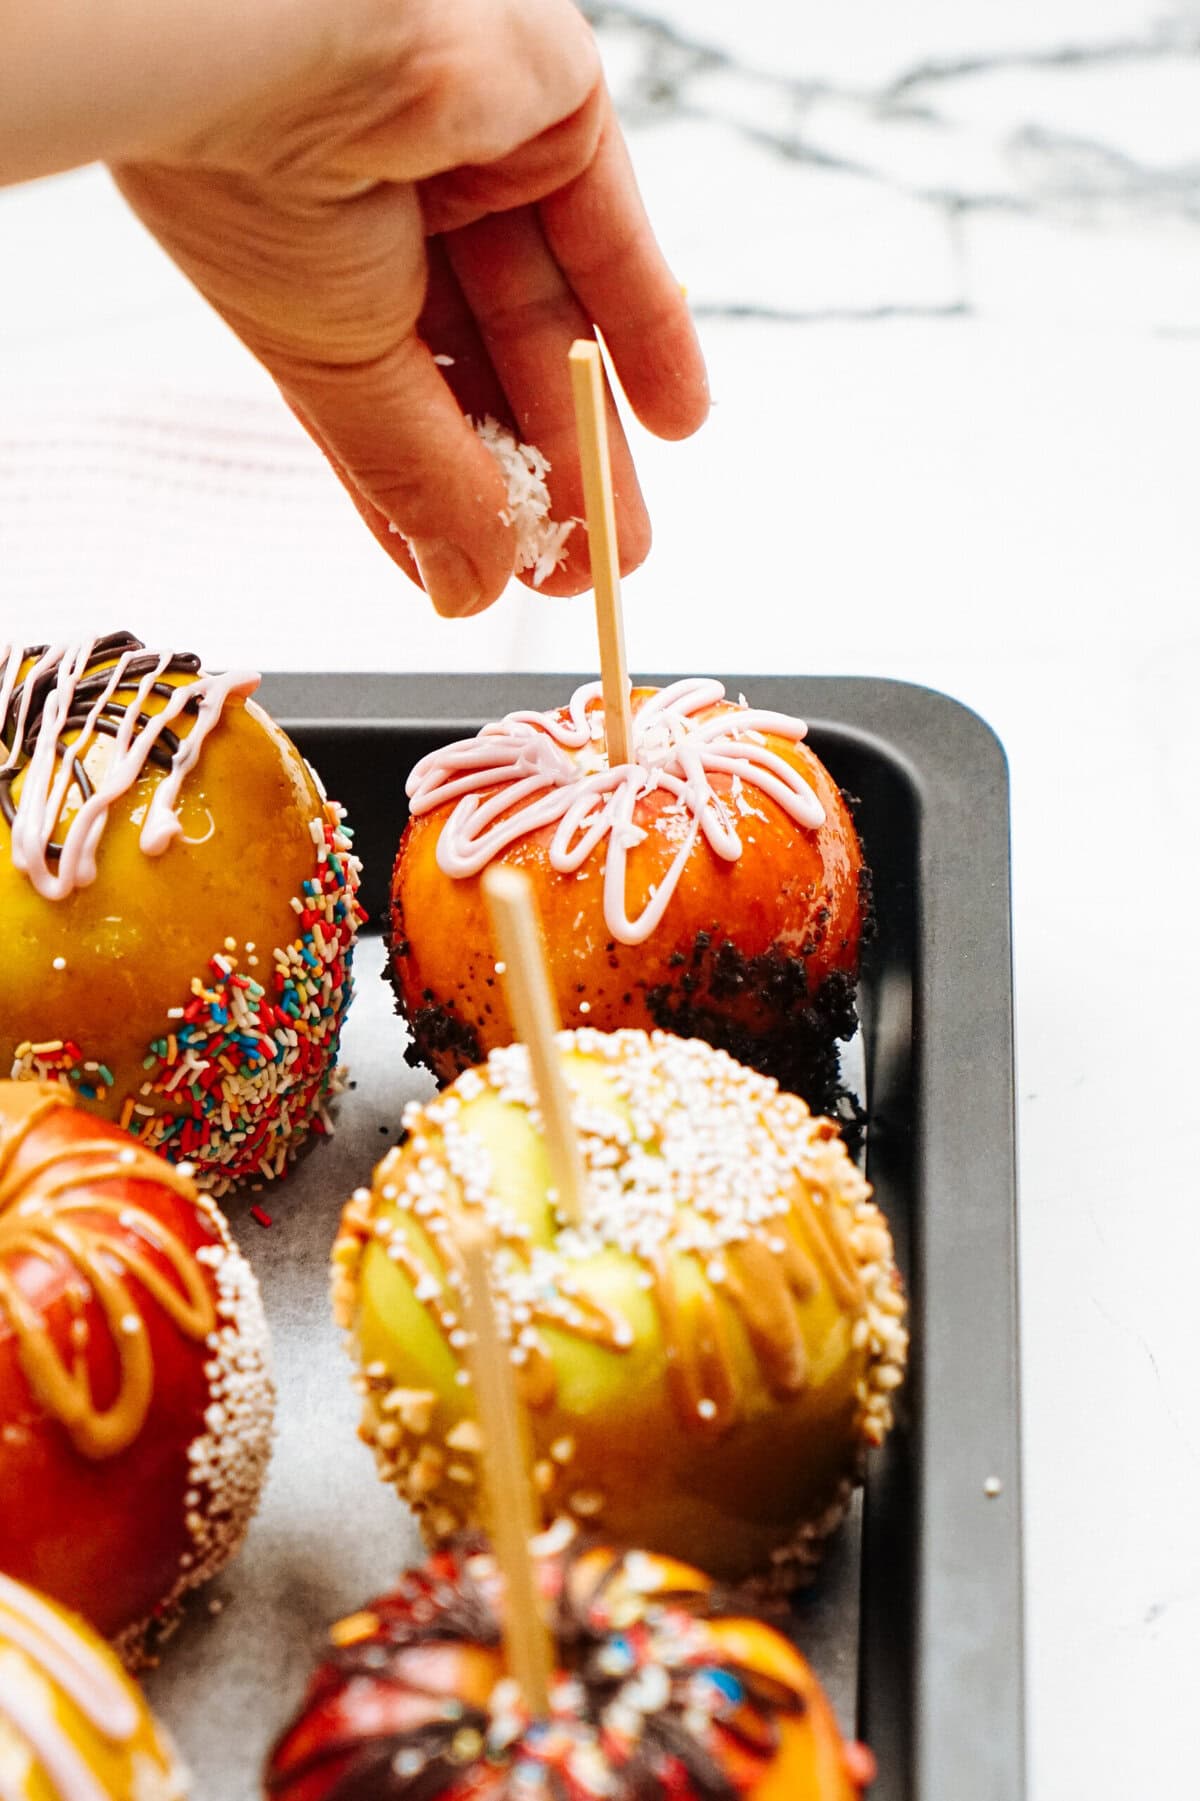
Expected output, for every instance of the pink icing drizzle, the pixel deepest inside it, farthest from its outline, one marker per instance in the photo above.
(525, 762)
(70, 1663)
(47, 776)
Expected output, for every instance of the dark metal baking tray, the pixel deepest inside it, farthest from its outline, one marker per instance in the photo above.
(939, 1621)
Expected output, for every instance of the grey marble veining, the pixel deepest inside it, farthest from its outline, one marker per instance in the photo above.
(1075, 158)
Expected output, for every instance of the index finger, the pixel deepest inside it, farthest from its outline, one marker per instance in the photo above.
(598, 231)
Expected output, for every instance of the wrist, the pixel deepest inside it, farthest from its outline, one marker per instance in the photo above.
(134, 80)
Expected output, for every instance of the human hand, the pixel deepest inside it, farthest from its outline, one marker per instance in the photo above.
(443, 179)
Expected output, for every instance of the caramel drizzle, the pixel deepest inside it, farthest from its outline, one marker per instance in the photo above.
(763, 1285)
(68, 1661)
(535, 1376)
(767, 1286)
(699, 1370)
(35, 1220)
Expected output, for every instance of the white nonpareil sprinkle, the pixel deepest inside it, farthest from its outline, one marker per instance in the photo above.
(227, 1460)
(685, 1153)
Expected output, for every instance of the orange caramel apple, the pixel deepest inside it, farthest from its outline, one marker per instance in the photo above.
(663, 1690)
(73, 1727)
(136, 1402)
(714, 888)
(178, 900)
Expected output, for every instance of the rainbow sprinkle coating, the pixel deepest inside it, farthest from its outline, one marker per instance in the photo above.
(246, 1066)
(61, 1060)
(254, 1063)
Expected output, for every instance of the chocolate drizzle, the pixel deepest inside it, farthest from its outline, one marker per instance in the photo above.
(25, 705)
(612, 1633)
(50, 718)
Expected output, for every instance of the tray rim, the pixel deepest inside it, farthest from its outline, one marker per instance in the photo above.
(969, 1615)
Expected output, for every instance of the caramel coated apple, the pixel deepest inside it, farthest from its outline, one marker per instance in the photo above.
(178, 902)
(135, 1397)
(705, 1357)
(714, 888)
(662, 1691)
(73, 1727)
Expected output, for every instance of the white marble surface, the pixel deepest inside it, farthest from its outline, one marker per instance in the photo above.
(946, 259)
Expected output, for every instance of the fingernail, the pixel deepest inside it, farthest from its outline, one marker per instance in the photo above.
(451, 579)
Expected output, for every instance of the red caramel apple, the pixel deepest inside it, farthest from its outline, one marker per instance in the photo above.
(714, 887)
(705, 1355)
(135, 1399)
(73, 1727)
(663, 1691)
(178, 900)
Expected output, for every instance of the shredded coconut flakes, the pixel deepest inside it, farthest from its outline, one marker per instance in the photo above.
(541, 541)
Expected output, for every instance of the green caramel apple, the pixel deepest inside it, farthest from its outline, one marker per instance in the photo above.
(704, 1356)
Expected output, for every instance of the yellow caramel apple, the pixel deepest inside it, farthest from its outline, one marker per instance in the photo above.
(178, 901)
(704, 1355)
(73, 1727)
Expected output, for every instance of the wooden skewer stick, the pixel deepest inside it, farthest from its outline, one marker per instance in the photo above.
(591, 428)
(527, 1643)
(513, 913)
